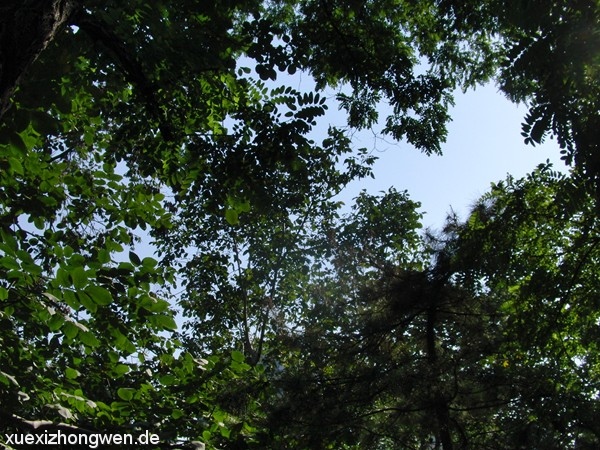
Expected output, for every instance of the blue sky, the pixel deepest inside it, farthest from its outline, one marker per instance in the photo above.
(484, 145)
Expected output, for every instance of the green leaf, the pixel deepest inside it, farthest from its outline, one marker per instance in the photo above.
(62, 276)
(163, 321)
(231, 216)
(71, 299)
(78, 277)
(15, 166)
(99, 295)
(160, 305)
(168, 380)
(89, 339)
(71, 374)
(237, 356)
(70, 330)
(134, 258)
(121, 369)
(10, 263)
(56, 321)
(87, 302)
(155, 305)
(149, 263)
(122, 342)
(10, 243)
(125, 393)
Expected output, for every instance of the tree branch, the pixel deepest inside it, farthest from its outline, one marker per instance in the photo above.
(41, 425)
(127, 62)
(26, 29)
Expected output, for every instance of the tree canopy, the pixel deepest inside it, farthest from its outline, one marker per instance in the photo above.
(267, 317)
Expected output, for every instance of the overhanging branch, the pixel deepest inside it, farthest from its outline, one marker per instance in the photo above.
(26, 29)
(127, 62)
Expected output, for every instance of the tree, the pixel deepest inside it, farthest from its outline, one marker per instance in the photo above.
(27, 30)
(483, 338)
(106, 107)
(551, 63)
(120, 117)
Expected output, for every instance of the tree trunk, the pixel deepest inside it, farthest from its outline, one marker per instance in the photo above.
(439, 403)
(26, 29)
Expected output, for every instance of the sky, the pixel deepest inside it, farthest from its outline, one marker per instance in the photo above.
(484, 145)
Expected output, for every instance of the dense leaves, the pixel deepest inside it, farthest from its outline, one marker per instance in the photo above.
(303, 326)
(489, 341)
